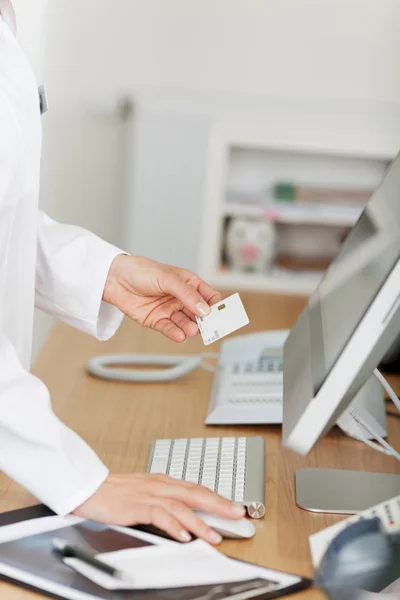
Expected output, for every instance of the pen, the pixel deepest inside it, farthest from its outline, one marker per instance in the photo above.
(66, 550)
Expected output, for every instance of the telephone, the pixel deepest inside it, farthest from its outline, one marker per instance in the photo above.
(248, 384)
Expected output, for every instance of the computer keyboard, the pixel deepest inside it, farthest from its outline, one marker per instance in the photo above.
(231, 466)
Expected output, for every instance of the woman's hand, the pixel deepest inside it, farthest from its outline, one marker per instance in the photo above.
(160, 501)
(158, 296)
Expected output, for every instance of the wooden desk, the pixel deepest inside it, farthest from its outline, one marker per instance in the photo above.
(120, 421)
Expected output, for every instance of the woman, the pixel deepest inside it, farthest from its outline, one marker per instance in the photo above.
(89, 284)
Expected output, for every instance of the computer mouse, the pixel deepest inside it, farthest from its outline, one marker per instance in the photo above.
(242, 529)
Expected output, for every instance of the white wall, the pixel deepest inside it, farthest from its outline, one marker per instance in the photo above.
(333, 48)
(31, 15)
(97, 50)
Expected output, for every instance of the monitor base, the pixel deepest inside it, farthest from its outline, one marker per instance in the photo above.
(341, 491)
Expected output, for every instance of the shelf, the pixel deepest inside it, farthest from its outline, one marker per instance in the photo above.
(305, 214)
(279, 280)
(245, 164)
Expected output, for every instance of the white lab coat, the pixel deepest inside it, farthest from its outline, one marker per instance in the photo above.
(61, 269)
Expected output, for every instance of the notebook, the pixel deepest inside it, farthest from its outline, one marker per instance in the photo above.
(30, 562)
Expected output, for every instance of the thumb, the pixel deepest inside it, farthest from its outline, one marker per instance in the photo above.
(188, 295)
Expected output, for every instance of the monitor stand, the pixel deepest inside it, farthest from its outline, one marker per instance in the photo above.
(344, 492)
(348, 492)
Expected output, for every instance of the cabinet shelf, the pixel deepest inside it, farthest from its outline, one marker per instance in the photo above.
(278, 280)
(307, 214)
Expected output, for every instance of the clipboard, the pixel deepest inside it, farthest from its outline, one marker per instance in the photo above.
(41, 571)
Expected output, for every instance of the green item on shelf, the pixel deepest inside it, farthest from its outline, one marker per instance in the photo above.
(285, 192)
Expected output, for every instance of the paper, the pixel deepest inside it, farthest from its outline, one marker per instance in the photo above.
(8, 533)
(155, 567)
(225, 317)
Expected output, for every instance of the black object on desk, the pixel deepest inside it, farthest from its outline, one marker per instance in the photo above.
(65, 550)
(391, 361)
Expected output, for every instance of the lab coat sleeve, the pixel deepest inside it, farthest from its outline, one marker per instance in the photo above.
(71, 272)
(36, 449)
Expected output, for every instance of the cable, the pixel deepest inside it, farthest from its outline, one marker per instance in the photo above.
(393, 414)
(358, 419)
(174, 366)
(374, 446)
(205, 365)
(387, 387)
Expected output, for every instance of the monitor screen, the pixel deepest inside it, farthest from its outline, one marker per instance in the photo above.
(351, 283)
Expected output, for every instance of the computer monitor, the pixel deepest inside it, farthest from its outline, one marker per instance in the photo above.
(349, 323)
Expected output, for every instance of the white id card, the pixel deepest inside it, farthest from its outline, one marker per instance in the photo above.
(225, 317)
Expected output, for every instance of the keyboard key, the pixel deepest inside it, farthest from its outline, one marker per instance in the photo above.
(159, 466)
(192, 474)
(161, 451)
(176, 469)
(176, 474)
(226, 495)
(208, 483)
(195, 452)
(177, 459)
(209, 487)
(190, 468)
(227, 476)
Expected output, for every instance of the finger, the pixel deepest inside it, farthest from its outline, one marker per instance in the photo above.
(182, 320)
(201, 498)
(170, 330)
(155, 514)
(204, 499)
(191, 521)
(206, 291)
(210, 295)
(187, 294)
(190, 315)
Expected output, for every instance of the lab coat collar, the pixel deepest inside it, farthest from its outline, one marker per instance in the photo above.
(7, 13)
